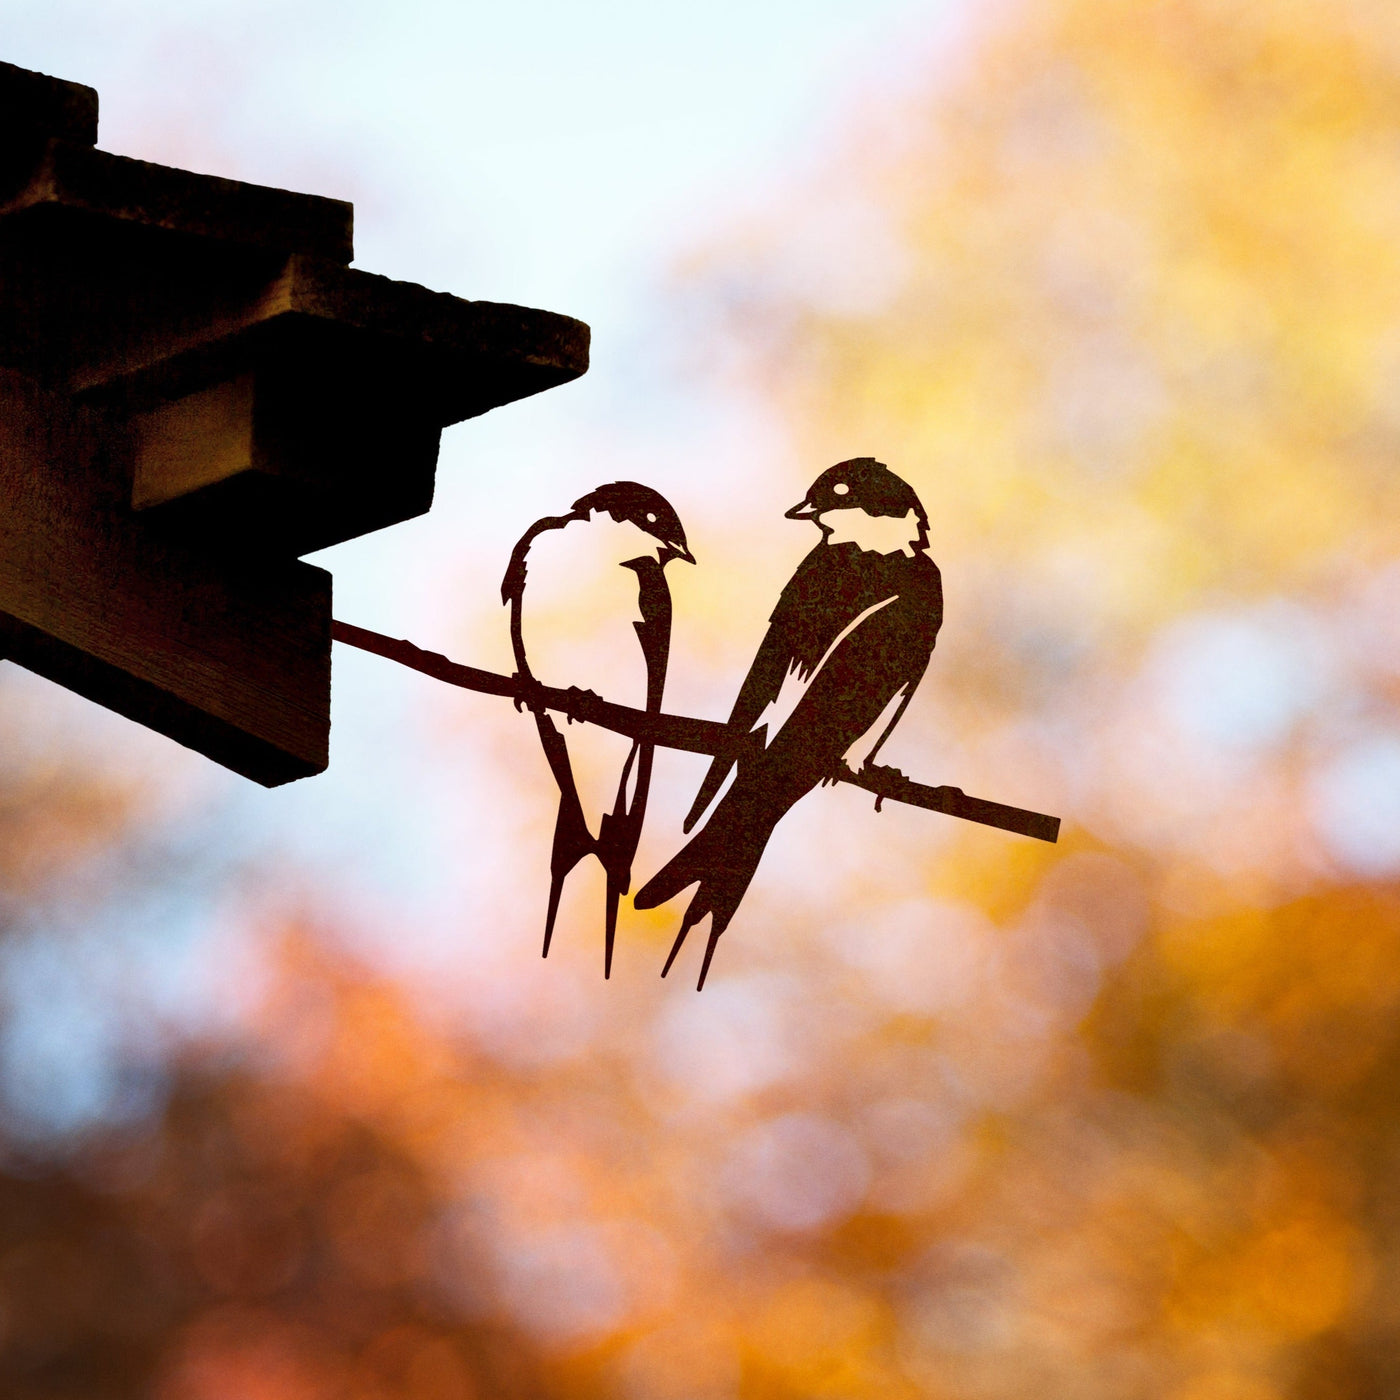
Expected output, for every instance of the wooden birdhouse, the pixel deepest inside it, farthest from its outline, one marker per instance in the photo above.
(195, 390)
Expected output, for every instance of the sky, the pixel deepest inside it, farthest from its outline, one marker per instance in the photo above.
(553, 155)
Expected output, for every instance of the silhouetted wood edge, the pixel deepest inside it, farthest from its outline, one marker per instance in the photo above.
(704, 736)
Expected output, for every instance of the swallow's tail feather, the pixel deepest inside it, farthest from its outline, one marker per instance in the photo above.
(676, 946)
(618, 834)
(616, 845)
(572, 838)
(572, 841)
(699, 906)
(556, 888)
(614, 896)
(722, 859)
(692, 862)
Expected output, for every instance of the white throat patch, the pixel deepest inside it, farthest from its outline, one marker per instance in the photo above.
(882, 534)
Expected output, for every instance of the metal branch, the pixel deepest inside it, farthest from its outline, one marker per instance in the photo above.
(704, 736)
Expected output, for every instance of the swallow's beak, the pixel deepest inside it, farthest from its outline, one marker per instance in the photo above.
(679, 551)
(804, 510)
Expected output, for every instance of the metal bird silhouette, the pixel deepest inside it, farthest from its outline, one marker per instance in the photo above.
(605, 823)
(847, 644)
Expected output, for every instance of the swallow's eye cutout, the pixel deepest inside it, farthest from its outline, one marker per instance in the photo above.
(840, 488)
(651, 517)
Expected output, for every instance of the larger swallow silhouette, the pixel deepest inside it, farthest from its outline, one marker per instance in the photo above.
(604, 821)
(847, 644)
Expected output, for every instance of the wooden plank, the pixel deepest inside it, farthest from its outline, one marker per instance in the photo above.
(193, 443)
(302, 453)
(229, 657)
(464, 357)
(67, 179)
(43, 106)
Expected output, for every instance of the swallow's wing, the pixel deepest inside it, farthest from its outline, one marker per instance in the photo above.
(778, 654)
(654, 626)
(761, 687)
(858, 690)
(858, 694)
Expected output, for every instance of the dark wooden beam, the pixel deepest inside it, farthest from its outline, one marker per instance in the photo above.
(195, 389)
(39, 105)
(227, 657)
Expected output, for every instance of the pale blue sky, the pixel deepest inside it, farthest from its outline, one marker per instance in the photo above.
(546, 152)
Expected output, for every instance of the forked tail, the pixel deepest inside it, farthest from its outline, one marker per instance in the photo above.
(722, 859)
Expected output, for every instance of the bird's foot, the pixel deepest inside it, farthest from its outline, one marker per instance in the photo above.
(579, 700)
(530, 696)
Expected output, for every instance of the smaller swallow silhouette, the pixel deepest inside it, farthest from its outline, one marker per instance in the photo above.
(846, 646)
(612, 829)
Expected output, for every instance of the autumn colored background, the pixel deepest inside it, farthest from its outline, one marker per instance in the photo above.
(290, 1109)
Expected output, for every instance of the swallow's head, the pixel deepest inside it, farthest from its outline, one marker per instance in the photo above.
(648, 510)
(866, 485)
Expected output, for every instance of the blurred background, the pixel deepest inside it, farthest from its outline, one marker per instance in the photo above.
(290, 1108)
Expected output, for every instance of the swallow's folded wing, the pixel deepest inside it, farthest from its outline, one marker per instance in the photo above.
(760, 688)
(859, 692)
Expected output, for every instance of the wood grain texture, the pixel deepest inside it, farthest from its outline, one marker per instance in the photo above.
(354, 375)
(193, 443)
(229, 658)
(465, 357)
(302, 453)
(67, 177)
